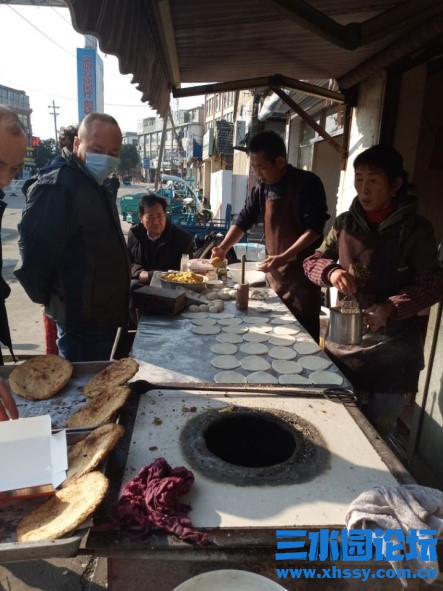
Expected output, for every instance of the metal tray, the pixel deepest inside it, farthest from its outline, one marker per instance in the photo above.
(66, 402)
(59, 408)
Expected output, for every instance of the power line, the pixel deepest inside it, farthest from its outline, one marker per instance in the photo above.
(39, 30)
(60, 15)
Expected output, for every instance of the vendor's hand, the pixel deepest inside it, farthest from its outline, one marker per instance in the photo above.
(8, 408)
(343, 281)
(377, 315)
(144, 276)
(219, 252)
(270, 263)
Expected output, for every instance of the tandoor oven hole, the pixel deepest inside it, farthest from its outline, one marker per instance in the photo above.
(249, 447)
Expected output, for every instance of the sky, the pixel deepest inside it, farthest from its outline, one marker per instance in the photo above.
(38, 55)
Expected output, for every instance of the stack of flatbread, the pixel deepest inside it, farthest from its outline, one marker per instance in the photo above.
(84, 488)
(81, 493)
(41, 377)
(88, 453)
(65, 511)
(108, 394)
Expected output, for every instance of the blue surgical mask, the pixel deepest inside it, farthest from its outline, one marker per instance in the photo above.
(100, 165)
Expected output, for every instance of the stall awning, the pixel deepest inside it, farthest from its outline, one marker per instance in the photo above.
(165, 43)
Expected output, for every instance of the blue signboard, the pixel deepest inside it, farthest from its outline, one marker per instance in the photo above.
(86, 81)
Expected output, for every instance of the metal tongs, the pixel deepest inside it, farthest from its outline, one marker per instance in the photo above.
(333, 393)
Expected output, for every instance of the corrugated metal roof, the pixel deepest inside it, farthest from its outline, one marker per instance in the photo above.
(164, 43)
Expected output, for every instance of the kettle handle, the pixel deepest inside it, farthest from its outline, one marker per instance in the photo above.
(365, 324)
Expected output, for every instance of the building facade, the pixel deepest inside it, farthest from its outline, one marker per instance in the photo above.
(182, 144)
(131, 138)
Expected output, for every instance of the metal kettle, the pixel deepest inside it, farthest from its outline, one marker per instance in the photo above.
(346, 328)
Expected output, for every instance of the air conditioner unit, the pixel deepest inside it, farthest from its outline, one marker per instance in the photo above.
(240, 133)
(208, 143)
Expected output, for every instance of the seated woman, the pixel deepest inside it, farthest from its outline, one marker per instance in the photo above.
(387, 257)
(155, 244)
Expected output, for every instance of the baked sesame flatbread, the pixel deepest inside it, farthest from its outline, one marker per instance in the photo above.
(42, 377)
(87, 454)
(116, 373)
(101, 408)
(65, 511)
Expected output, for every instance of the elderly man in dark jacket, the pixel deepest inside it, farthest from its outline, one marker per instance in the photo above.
(155, 244)
(74, 255)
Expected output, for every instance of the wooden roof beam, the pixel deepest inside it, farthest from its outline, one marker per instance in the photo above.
(309, 120)
(266, 81)
(354, 35)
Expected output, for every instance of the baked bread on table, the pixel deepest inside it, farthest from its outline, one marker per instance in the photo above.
(116, 373)
(101, 408)
(87, 454)
(65, 511)
(41, 377)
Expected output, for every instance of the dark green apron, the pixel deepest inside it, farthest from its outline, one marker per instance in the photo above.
(391, 359)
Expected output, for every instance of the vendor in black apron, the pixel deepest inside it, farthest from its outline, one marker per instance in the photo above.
(388, 259)
(291, 203)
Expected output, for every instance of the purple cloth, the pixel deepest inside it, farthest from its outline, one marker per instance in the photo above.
(151, 500)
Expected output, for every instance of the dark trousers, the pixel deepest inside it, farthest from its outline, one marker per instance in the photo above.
(88, 345)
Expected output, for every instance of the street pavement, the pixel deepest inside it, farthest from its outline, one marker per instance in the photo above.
(81, 573)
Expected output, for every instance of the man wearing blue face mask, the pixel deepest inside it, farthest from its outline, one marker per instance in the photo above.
(74, 256)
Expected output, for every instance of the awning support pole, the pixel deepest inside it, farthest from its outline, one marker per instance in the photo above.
(309, 120)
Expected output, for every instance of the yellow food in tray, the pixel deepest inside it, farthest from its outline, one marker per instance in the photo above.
(184, 277)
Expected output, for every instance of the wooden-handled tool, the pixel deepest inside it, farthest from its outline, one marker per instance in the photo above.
(242, 297)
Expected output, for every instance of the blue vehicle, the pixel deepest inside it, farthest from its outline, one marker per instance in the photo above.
(184, 208)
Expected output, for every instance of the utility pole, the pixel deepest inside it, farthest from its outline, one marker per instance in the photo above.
(160, 152)
(55, 114)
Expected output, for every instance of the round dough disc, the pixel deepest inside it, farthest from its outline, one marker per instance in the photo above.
(283, 320)
(260, 328)
(205, 329)
(282, 353)
(285, 366)
(229, 377)
(224, 348)
(255, 337)
(194, 314)
(255, 320)
(219, 315)
(254, 363)
(226, 337)
(285, 330)
(204, 321)
(325, 377)
(225, 361)
(306, 347)
(314, 362)
(229, 321)
(284, 340)
(235, 329)
(293, 379)
(261, 377)
(254, 348)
